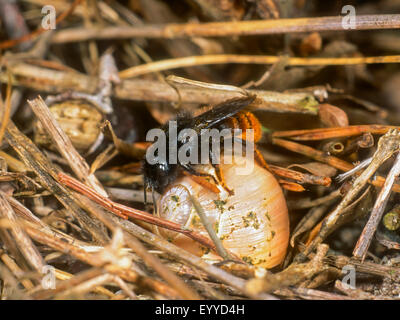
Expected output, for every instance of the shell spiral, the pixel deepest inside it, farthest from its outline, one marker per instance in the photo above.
(253, 223)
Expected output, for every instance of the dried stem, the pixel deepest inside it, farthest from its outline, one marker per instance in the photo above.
(224, 29)
(137, 247)
(330, 133)
(300, 176)
(169, 64)
(40, 30)
(211, 232)
(25, 245)
(323, 157)
(125, 212)
(365, 239)
(387, 145)
(35, 159)
(6, 108)
(64, 145)
(51, 80)
(185, 256)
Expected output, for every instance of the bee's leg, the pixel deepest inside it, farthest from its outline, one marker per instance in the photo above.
(257, 155)
(260, 159)
(221, 179)
(204, 182)
(192, 171)
(219, 174)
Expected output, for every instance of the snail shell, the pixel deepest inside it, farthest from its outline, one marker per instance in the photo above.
(253, 223)
(78, 119)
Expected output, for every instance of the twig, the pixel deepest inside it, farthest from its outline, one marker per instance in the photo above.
(313, 153)
(357, 168)
(387, 145)
(86, 286)
(13, 163)
(224, 29)
(16, 270)
(64, 145)
(125, 212)
(128, 195)
(211, 232)
(310, 219)
(313, 294)
(183, 255)
(8, 279)
(358, 294)
(169, 64)
(137, 247)
(51, 80)
(363, 243)
(91, 259)
(40, 30)
(69, 283)
(329, 133)
(300, 177)
(331, 160)
(364, 267)
(24, 243)
(14, 22)
(35, 160)
(308, 203)
(294, 274)
(6, 108)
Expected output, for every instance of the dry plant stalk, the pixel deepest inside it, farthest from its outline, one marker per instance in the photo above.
(329, 133)
(223, 29)
(387, 145)
(137, 247)
(64, 145)
(25, 245)
(70, 227)
(47, 174)
(169, 64)
(51, 80)
(365, 239)
(127, 212)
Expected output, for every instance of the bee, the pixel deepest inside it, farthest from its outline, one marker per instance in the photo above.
(226, 115)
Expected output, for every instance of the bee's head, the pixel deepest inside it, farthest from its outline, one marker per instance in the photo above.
(158, 176)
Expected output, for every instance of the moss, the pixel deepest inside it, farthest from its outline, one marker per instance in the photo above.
(216, 227)
(309, 103)
(225, 236)
(246, 223)
(272, 235)
(219, 204)
(248, 260)
(251, 220)
(175, 198)
(196, 221)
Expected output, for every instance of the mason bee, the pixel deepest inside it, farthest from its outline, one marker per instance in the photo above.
(226, 115)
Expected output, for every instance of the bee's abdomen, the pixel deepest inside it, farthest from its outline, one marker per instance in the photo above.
(245, 120)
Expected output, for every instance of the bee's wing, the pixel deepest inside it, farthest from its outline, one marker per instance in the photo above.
(220, 112)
